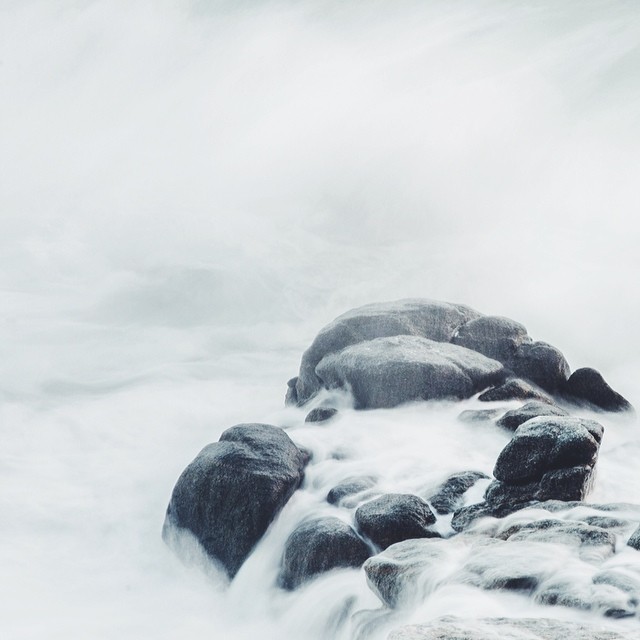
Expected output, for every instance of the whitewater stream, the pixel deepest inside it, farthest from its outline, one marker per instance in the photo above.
(190, 191)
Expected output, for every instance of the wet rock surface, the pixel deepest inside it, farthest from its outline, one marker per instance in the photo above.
(234, 488)
(450, 495)
(318, 546)
(506, 629)
(511, 420)
(349, 488)
(515, 389)
(321, 414)
(395, 517)
(587, 386)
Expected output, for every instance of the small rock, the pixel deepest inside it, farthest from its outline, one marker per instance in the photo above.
(479, 415)
(450, 495)
(511, 420)
(394, 517)
(350, 487)
(321, 414)
(317, 546)
(634, 540)
(587, 386)
(515, 389)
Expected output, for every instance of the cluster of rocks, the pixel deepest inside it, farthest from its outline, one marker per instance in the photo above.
(411, 350)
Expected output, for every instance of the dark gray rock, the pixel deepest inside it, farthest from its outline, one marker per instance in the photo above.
(350, 487)
(394, 574)
(549, 443)
(511, 420)
(466, 516)
(234, 488)
(568, 484)
(506, 629)
(394, 517)
(430, 319)
(292, 395)
(317, 546)
(634, 540)
(495, 337)
(321, 414)
(586, 386)
(479, 415)
(515, 389)
(542, 364)
(450, 495)
(386, 372)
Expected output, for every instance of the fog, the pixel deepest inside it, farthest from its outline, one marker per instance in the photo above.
(189, 191)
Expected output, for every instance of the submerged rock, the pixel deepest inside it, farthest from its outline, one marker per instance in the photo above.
(317, 546)
(479, 415)
(386, 372)
(587, 386)
(350, 487)
(451, 628)
(234, 488)
(395, 517)
(321, 414)
(450, 495)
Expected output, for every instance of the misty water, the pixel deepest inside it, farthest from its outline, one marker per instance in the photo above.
(189, 191)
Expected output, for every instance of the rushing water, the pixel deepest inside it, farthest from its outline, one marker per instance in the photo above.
(190, 190)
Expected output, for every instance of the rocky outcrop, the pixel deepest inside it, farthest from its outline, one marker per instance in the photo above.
(317, 546)
(506, 629)
(233, 489)
(395, 517)
(386, 372)
(587, 387)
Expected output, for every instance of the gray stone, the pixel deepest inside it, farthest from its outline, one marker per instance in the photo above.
(350, 487)
(386, 372)
(233, 489)
(321, 414)
(511, 420)
(450, 495)
(586, 386)
(493, 336)
(465, 517)
(394, 517)
(548, 443)
(634, 540)
(479, 415)
(506, 629)
(430, 319)
(542, 364)
(515, 389)
(394, 574)
(317, 546)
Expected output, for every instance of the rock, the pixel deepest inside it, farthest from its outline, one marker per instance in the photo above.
(234, 488)
(479, 415)
(606, 522)
(515, 389)
(586, 386)
(569, 484)
(466, 516)
(415, 317)
(495, 337)
(394, 517)
(511, 420)
(451, 628)
(393, 575)
(562, 532)
(292, 395)
(386, 372)
(620, 579)
(450, 495)
(350, 487)
(634, 540)
(542, 364)
(317, 546)
(549, 443)
(321, 414)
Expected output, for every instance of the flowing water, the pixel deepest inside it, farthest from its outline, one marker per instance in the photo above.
(189, 191)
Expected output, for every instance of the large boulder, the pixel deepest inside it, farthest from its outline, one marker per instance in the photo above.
(386, 372)
(586, 386)
(394, 517)
(430, 319)
(542, 364)
(507, 629)
(317, 546)
(233, 489)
